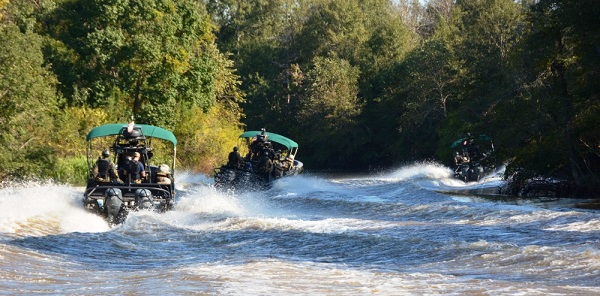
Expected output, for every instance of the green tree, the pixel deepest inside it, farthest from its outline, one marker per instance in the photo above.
(28, 102)
(329, 112)
(482, 37)
(261, 36)
(145, 55)
(485, 33)
(431, 75)
(334, 29)
(560, 89)
(156, 60)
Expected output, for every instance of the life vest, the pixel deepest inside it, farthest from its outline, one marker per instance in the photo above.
(234, 159)
(103, 168)
(133, 170)
(264, 164)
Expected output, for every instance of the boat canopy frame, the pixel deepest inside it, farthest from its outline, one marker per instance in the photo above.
(290, 144)
(482, 138)
(148, 131)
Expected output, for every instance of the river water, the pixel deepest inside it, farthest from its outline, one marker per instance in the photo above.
(391, 233)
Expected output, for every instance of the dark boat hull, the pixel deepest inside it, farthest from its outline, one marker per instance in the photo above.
(115, 209)
(472, 172)
(241, 179)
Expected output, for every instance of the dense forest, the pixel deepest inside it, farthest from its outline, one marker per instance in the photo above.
(358, 84)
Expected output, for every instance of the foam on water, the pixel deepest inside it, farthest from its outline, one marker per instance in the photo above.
(202, 207)
(279, 277)
(592, 226)
(41, 208)
(324, 226)
(439, 182)
(185, 180)
(208, 200)
(386, 234)
(304, 184)
(416, 171)
(429, 175)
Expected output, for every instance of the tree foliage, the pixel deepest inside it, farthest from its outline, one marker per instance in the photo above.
(356, 83)
(107, 60)
(146, 56)
(560, 93)
(329, 109)
(28, 102)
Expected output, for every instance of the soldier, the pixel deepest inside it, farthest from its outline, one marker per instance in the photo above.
(457, 158)
(265, 165)
(235, 159)
(104, 170)
(163, 175)
(135, 170)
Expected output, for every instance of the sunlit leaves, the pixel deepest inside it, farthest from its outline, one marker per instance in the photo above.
(332, 92)
(28, 102)
(146, 55)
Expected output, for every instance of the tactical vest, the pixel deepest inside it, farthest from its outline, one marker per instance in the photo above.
(265, 165)
(234, 159)
(103, 167)
(133, 170)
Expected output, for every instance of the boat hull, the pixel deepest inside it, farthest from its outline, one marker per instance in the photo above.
(134, 197)
(242, 179)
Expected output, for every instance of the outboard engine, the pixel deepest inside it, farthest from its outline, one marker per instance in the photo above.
(476, 172)
(463, 172)
(224, 177)
(113, 205)
(143, 199)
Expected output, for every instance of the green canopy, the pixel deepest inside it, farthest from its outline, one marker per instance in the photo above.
(272, 137)
(482, 137)
(457, 142)
(148, 131)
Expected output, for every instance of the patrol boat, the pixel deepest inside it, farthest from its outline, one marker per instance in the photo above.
(473, 159)
(114, 196)
(268, 157)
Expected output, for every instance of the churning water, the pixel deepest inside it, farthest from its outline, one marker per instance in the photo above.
(398, 233)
